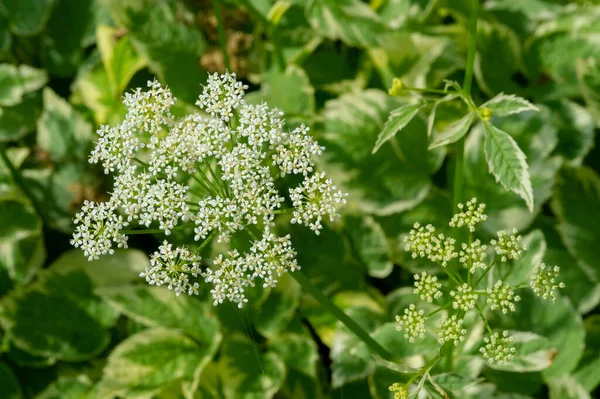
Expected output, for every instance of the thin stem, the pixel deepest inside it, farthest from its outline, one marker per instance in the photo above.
(472, 47)
(467, 84)
(222, 38)
(205, 242)
(340, 315)
(487, 326)
(425, 369)
(485, 272)
(18, 179)
(446, 306)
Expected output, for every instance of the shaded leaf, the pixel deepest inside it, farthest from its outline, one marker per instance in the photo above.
(397, 120)
(146, 363)
(11, 389)
(22, 250)
(453, 132)
(26, 17)
(351, 21)
(63, 132)
(157, 307)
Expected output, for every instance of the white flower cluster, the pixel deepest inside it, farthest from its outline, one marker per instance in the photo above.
(502, 297)
(424, 243)
(498, 349)
(466, 293)
(464, 297)
(544, 282)
(412, 323)
(451, 330)
(216, 174)
(427, 286)
(173, 267)
(472, 256)
(508, 246)
(469, 217)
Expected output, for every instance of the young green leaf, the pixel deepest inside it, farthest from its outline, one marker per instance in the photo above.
(506, 104)
(431, 117)
(508, 163)
(454, 132)
(398, 119)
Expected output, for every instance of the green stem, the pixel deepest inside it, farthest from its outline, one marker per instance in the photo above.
(472, 47)
(18, 179)
(222, 38)
(340, 315)
(467, 84)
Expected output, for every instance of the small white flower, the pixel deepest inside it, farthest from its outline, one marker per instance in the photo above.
(473, 256)
(442, 250)
(98, 228)
(412, 323)
(317, 197)
(427, 287)
(464, 297)
(508, 246)
(544, 281)
(173, 268)
(498, 349)
(469, 217)
(503, 297)
(420, 240)
(451, 330)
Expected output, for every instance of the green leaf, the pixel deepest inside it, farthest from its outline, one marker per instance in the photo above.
(148, 362)
(290, 91)
(453, 132)
(63, 132)
(397, 120)
(67, 388)
(506, 104)
(26, 17)
(507, 163)
(275, 311)
(371, 245)
(576, 130)
(64, 48)
(122, 267)
(11, 91)
(58, 317)
(246, 373)
(558, 322)
(588, 74)
(11, 389)
(171, 43)
(22, 251)
(19, 120)
(567, 387)
(158, 307)
(588, 370)
(351, 21)
(575, 203)
(119, 57)
(534, 353)
(298, 351)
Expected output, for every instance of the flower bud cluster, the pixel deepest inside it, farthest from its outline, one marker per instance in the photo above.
(498, 349)
(508, 246)
(214, 171)
(424, 243)
(427, 287)
(465, 290)
(544, 282)
(469, 217)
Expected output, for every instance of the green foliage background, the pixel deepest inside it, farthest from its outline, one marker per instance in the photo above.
(76, 329)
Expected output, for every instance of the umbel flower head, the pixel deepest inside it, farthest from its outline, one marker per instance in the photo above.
(214, 171)
(470, 285)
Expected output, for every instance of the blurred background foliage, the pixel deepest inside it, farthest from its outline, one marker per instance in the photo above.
(76, 329)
